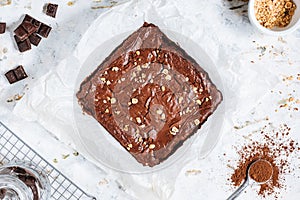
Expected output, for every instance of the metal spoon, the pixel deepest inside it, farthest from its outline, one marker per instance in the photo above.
(249, 180)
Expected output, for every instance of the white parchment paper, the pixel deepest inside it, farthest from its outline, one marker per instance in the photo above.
(50, 101)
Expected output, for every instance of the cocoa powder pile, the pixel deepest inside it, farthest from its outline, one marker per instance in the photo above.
(275, 147)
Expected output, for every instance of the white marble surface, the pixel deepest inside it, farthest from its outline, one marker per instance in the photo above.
(252, 67)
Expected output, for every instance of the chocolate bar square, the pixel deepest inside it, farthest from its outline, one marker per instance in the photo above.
(36, 23)
(11, 77)
(150, 95)
(24, 45)
(51, 10)
(20, 72)
(32, 20)
(16, 74)
(2, 27)
(21, 33)
(27, 18)
(44, 30)
(29, 27)
(35, 39)
(17, 39)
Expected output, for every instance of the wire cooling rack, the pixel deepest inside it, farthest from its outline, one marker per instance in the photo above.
(13, 148)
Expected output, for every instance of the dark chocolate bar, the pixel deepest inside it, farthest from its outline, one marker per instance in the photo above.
(150, 95)
(16, 74)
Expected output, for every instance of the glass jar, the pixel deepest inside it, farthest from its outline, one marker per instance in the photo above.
(22, 180)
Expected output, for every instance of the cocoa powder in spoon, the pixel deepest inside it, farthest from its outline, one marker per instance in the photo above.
(261, 171)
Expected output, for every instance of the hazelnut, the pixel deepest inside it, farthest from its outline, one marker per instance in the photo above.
(115, 69)
(168, 77)
(138, 120)
(113, 100)
(134, 100)
(197, 122)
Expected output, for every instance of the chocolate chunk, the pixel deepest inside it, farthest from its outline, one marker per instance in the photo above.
(27, 18)
(51, 10)
(26, 33)
(24, 45)
(36, 23)
(15, 75)
(20, 72)
(35, 39)
(29, 27)
(33, 21)
(11, 77)
(18, 170)
(17, 39)
(44, 30)
(2, 27)
(21, 33)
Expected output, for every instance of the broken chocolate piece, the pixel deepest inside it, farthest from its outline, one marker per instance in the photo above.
(29, 27)
(44, 30)
(20, 72)
(35, 39)
(16, 74)
(17, 39)
(24, 45)
(21, 33)
(36, 23)
(2, 27)
(33, 21)
(51, 10)
(11, 77)
(27, 18)
(27, 31)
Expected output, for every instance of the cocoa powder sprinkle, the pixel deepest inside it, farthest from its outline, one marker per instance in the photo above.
(276, 147)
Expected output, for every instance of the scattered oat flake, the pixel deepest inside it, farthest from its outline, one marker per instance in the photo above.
(65, 156)
(5, 2)
(103, 182)
(71, 3)
(192, 172)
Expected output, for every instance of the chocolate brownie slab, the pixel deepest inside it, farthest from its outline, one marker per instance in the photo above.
(150, 95)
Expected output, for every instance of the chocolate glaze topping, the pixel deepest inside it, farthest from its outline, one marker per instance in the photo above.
(149, 95)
